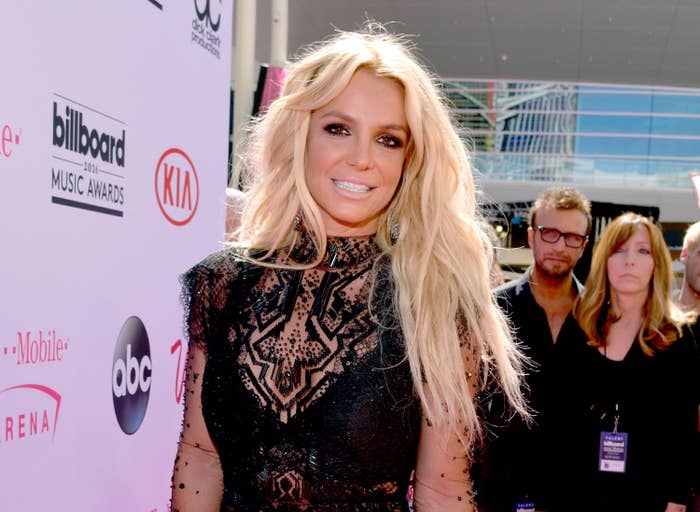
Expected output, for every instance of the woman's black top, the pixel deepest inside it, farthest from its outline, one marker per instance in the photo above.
(307, 394)
(655, 399)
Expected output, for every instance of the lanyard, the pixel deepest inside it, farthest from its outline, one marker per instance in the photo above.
(616, 417)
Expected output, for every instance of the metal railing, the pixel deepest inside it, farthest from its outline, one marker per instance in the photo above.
(601, 135)
(606, 170)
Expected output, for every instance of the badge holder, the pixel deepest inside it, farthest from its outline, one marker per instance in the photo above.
(525, 506)
(613, 449)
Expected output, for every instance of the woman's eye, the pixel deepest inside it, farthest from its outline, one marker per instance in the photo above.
(336, 129)
(390, 141)
(644, 251)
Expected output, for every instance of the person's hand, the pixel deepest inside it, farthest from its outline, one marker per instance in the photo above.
(675, 507)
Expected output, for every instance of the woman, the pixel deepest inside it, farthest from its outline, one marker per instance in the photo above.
(622, 427)
(340, 341)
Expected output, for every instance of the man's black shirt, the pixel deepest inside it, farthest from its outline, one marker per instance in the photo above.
(508, 469)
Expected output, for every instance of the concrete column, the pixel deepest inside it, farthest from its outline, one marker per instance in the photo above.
(279, 33)
(245, 80)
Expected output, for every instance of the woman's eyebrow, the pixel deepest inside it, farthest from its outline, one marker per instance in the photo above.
(350, 119)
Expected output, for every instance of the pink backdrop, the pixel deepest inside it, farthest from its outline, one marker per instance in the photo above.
(113, 159)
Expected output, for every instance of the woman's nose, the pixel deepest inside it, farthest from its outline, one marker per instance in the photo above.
(360, 157)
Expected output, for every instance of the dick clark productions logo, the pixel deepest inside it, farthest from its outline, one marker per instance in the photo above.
(131, 375)
(205, 26)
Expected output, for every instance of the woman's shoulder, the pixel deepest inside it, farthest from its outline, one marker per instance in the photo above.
(223, 265)
(686, 345)
(680, 362)
(680, 359)
(227, 259)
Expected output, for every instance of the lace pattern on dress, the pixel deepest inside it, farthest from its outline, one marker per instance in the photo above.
(307, 395)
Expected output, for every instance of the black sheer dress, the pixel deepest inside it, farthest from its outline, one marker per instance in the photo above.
(305, 394)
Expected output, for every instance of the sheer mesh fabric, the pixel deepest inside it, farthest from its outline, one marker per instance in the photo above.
(297, 393)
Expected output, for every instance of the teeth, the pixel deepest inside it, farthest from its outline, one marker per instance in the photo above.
(352, 187)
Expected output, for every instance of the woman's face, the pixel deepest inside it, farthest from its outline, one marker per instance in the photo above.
(631, 266)
(356, 149)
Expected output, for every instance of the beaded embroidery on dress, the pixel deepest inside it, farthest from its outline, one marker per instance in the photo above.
(306, 394)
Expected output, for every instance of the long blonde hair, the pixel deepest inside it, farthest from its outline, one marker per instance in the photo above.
(662, 320)
(440, 260)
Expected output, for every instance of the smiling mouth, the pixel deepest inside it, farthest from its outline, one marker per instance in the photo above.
(351, 187)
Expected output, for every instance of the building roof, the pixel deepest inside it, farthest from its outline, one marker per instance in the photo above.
(644, 42)
(633, 42)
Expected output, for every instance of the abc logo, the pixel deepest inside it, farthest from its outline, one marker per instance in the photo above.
(131, 375)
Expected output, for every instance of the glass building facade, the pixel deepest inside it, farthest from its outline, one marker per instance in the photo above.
(580, 134)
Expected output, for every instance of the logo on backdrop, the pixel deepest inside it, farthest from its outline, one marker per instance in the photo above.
(205, 26)
(36, 347)
(89, 158)
(131, 375)
(177, 186)
(30, 412)
(10, 138)
(179, 369)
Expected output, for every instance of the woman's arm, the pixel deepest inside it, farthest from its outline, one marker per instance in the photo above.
(443, 478)
(197, 483)
(675, 507)
(197, 476)
(442, 481)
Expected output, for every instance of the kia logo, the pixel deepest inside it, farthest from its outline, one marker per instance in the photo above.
(176, 186)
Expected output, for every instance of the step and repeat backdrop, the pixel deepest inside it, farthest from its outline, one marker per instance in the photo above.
(113, 157)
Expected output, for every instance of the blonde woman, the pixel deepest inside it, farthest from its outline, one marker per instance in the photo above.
(340, 341)
(623, 429)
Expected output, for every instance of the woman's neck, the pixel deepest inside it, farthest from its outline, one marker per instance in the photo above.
(623, 332)
(628, 306)
(340, 252)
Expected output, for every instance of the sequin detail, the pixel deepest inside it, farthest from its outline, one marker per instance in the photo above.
(306, 395)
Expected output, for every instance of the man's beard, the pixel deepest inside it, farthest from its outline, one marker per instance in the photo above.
(559, 272)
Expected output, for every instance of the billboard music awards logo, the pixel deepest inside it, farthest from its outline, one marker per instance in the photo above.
(205, 26)
(89, 157)
(10, 138)
(176, 186)
(131, 375)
